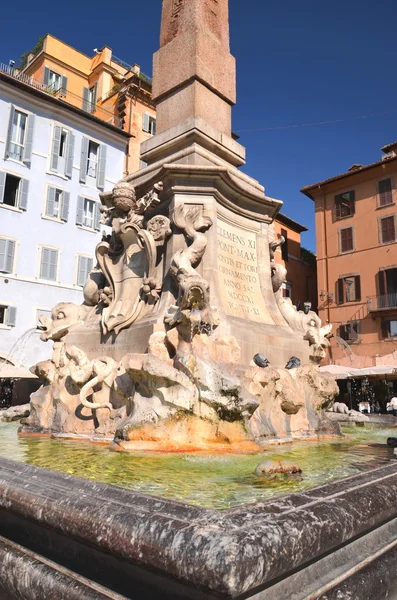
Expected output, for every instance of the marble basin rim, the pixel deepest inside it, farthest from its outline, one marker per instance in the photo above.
(225, 553)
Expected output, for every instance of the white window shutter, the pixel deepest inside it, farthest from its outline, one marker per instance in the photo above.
(53, 264)
(56, 142)
(65, 206)
(2, 185)
(11, 316)
(69, 155)
(50, 204)
(100, 179)
(83, 160)
(9, 132)
(28, 146)
(97, 217)
(3, 254)
(23, 194)
(9, 256)
(80, 210)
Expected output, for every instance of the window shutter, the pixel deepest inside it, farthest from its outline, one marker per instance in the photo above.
(93, 99)
(53, 265)
(341, 289)
(9, 256)
(97, 217)
(50, 204)
(9, 132)
(69, 155)
(354, 330)
(388, 229)
(11, 316)
(82, 271)
(46, 75)
(83, 160)
(27, 150)
(100, 179)
(45, 263)
(23, 194)
(385, 192)
(357, 284)
(385, 328)
(64, 83)
(86, 101)
(56, 141)
(65, 206)
(90, 264)
(80, 210)
(145, 122)
(2, 185)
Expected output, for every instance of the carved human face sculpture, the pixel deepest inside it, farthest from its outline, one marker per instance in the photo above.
(159, 227)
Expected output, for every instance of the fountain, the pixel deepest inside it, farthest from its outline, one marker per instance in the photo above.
(183, 345)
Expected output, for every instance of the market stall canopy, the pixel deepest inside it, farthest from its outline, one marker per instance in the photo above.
(8, 371)
(341, 372)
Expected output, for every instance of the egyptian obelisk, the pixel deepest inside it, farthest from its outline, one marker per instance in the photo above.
(195, 156)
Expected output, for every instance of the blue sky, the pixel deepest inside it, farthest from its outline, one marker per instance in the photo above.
(297, 63)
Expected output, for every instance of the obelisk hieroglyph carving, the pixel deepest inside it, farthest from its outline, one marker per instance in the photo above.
(194, 74)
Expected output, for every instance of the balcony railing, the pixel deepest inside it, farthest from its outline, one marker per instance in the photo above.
(62, 94)
(384, 302)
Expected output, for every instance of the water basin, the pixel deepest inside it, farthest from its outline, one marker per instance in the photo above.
(208, 481)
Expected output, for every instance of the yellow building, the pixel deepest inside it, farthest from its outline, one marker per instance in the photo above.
(102, 85)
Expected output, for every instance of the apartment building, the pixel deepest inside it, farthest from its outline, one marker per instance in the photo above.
(101, 84)
(356, 229)
(55, 158)
(301, 284)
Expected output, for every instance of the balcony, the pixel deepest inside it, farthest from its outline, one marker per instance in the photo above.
(62, 94)
(382, 303)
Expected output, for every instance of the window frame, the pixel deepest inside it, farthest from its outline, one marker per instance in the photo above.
(43, 279)
(5, 324)
(78, 257)
(352, 249)
(50, 85)
(339, 204)
(384, 321)
(342, 297)
(351, 324)
(14, 258)
(379, 205)
(380, 229)
(21, 145)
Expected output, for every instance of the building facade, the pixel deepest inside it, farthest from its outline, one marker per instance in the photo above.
(54, 161)
(301, 284)
(101, 84)
(356, 229)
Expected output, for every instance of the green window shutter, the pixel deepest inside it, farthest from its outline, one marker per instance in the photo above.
(97, 217)
(9, 132)
(44, 264)
(100, 179)
(28, 146)
(2, 185)
(56, 142)
(82, 271)
(86, 100)
(69, 155)
(65, 206)
(64, 84)
(9, 256)
(145, 122)
(46, 77)
(53, 264)
(83, 160)
(80, 210)
(50, 204)
(11, 316)
(23, 194)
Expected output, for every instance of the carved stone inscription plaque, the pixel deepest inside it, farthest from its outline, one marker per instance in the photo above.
(238, 278)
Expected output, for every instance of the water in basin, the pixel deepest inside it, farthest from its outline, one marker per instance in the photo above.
(209, 481)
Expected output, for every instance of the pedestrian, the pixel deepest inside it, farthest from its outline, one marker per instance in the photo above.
(393, 405)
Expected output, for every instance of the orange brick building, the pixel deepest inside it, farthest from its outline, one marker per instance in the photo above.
(356, 229)
(301, 284)
(100, 84)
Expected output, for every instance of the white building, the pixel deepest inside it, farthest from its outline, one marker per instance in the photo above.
(54, 161)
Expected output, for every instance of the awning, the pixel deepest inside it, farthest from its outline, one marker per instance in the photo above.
(341, 372)
(8, 371)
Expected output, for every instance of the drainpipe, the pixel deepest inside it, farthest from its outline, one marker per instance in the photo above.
(326, 265)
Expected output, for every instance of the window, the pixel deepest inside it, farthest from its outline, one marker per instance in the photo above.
(88, 213)
(54, 80)
(93, 162)
(8, 315)
(7, 252)
(350, 331)
(344, 205)
(48, 264)
(284, 247)
(385, 192)
(349, 289)
(89, 98)
(19, 136)
(389, 327)
(92, 159)
(148, 124)
(286, 288)
(57, 204)
(346, 239)
(62, 151)
(387, 279)
(13, 191)
(387, 230)
(84, 268)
